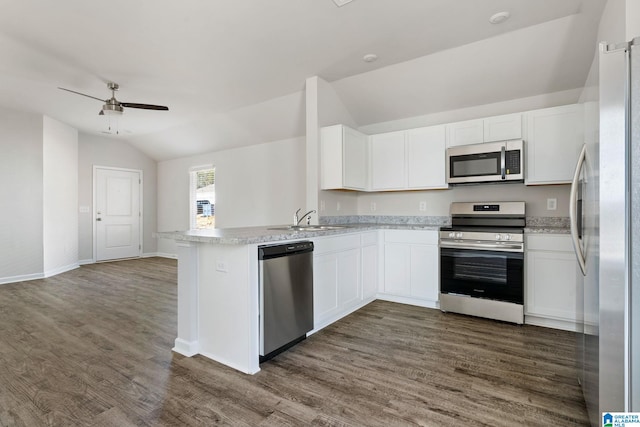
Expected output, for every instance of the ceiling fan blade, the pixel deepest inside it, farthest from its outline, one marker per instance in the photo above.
(78, 93)
(144, 106)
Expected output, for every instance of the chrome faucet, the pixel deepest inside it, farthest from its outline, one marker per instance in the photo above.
(297, 220)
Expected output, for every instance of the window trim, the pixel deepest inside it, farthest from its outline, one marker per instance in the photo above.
(193, 180)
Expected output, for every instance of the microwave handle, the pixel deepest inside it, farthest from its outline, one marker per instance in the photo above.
(503, 162)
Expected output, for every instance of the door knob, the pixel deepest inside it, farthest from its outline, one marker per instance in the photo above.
(98, 219)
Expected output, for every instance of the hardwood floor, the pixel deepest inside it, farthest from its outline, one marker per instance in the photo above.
(92, 347)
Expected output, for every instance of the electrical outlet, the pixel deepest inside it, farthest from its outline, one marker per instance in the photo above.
(338, 206)
(373, 206)
(552, 204)
(323, 206)
(422, 206)
(221, 265)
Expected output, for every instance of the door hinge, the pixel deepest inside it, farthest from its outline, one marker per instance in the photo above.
(139, 247)
(139, 181)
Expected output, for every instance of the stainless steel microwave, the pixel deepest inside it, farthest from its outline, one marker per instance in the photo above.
(501, 161)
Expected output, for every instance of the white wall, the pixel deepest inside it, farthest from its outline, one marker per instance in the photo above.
(257, 185)
(438, 201)
(21, 190)
(111, 152)
(60, 196)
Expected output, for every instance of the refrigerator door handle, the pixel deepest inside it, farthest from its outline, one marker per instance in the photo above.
(573, 211)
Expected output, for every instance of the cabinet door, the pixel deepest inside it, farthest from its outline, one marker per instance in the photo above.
(348, 278)
(553, 142)
(551, 285)
(501, 128)
(388, 161)
(426, 157)
(465, 133)
(369, 271)
(331, 157)
(325, 287)
(424, 272)
(355, 159)
(397, 268)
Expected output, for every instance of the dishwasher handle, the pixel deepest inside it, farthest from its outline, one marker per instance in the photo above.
(288, 249)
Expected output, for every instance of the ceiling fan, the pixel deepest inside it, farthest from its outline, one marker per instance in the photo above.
(113, 106)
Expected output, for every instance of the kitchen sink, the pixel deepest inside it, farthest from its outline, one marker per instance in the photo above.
(308, 227)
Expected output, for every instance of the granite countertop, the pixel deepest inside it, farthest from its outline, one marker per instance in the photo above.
(546, 230)
(547, 225)
(355, 224)
(251, 235)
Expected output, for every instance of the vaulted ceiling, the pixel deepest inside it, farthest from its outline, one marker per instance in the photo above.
(233, 72)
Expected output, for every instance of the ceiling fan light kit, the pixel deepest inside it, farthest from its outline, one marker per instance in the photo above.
(111, 109)
(114, 107)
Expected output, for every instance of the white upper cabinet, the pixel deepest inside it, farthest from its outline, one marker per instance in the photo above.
(502, 128)
(388, 163)
(497, 128)
(426, 149)
(408, 160)
(343, 158)
(553, 141)
(465, 133)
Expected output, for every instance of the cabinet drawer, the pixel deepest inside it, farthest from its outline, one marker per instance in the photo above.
(425, 237)
(337, 243)
(550, 242)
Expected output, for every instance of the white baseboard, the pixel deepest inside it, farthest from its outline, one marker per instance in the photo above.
(326, 322)
(86, 261)
(185, 348)
(21, 278)
(59, 270)
(565, 325)
(165, 255)
(409, 301)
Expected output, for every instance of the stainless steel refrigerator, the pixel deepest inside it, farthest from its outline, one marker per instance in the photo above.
(605, 217)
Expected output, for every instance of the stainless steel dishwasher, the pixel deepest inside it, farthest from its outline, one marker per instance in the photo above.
(286, 296)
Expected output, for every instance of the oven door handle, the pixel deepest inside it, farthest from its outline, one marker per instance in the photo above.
(503, 162)
(512, 247)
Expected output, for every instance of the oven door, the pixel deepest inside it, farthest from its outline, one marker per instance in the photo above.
(479, 273)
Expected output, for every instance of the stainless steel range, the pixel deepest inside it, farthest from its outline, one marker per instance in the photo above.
(482, 260)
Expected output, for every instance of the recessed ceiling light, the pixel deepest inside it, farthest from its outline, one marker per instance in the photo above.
(499, 17)
(341, 3)
(370, 57)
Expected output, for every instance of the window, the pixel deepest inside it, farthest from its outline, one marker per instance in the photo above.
(203, 198)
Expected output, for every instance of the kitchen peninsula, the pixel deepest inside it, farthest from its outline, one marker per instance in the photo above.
(218, 301)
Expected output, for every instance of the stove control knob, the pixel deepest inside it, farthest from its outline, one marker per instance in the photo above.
(506, 237)
(459, 235)
(498, 237)
(452, 235)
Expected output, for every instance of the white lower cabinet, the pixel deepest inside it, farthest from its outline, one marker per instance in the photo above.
(369, 265)
(551, 283)
(336, 277)
(411, 266)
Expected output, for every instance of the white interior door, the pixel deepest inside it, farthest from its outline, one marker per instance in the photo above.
(118, 213)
